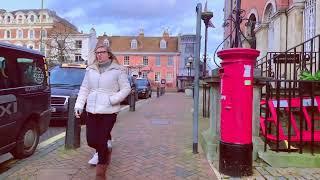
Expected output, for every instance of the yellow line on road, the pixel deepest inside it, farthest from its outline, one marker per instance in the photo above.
(51, 140)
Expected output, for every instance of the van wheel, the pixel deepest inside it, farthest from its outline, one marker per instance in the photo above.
(27, 141)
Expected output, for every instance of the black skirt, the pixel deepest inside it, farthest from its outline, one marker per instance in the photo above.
(99, 128)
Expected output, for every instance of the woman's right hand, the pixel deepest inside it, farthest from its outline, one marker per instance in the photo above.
(77, 112)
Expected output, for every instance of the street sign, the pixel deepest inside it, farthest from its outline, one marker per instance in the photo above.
(289, 58)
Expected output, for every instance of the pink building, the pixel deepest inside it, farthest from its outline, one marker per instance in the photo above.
(155, 58)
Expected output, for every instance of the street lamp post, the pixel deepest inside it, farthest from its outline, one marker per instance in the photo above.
(196, 80)
(206, 16)
(189, 65)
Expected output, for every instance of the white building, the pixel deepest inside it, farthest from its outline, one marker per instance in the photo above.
(78, 47)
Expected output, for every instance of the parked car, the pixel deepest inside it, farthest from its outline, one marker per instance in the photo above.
(65, 80)
(24, 100)
(143, 87)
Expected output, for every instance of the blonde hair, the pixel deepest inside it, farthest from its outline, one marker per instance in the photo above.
(109, 51)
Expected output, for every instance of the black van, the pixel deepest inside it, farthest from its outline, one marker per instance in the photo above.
(65, 80)
(24, 99)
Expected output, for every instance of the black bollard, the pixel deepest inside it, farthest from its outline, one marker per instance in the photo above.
(73, 126)
(162, 91)
(158, 91)
(133, 100)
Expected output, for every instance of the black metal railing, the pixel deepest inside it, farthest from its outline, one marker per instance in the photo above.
(290, 115)
(288, 65)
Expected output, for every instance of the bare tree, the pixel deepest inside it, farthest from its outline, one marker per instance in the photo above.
(59, 43)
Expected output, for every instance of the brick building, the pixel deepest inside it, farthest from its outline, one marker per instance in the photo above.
(156, 58)
(23, 27)
(276, 25)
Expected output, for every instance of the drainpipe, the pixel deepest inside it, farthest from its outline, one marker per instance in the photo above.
(287, 24)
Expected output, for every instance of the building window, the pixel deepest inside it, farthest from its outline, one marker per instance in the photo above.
(157, 77)
(158, 62)
(169, 76)
(32, 18)
(31, 34)
(189, 48)
(78, 44)
(106, 42)
(170, 61)
(8, 34)
(144, 75)
(268, 19)
(163, 44)
(126, 61)
(134, 44)
(42, 48)
(145, 61)
(44, 33)
(8, 19)
(19, 34)
(44, 18)
(20, 19)
(78, 58)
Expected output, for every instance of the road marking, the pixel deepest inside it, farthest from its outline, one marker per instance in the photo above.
(51, 140)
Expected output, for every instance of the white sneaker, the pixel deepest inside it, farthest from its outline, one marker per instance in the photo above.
(94, 159)
(109, 144)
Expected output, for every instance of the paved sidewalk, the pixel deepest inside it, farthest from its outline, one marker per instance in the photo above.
(155, 142)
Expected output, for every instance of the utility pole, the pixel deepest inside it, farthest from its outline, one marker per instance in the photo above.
(41, 29)
(196, 80)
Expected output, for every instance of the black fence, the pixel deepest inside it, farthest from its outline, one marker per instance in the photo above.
(288, 65)
(290, 115)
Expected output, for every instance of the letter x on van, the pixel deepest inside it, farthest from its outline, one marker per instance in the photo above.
(24, 99)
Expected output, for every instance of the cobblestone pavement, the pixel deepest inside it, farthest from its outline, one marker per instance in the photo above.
(155, 142)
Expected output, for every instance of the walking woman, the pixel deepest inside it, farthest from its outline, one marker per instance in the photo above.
(104, 86)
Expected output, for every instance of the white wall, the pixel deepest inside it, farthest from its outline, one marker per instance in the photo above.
(317, 17)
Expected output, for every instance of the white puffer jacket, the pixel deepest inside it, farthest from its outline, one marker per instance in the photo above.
(103, 92)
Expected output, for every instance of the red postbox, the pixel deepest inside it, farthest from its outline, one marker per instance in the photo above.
(236, 110)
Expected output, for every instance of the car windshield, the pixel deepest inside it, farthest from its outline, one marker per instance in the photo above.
(66, 76)
(141, 82)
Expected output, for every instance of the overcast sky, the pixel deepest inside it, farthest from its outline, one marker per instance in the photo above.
(126, 17)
